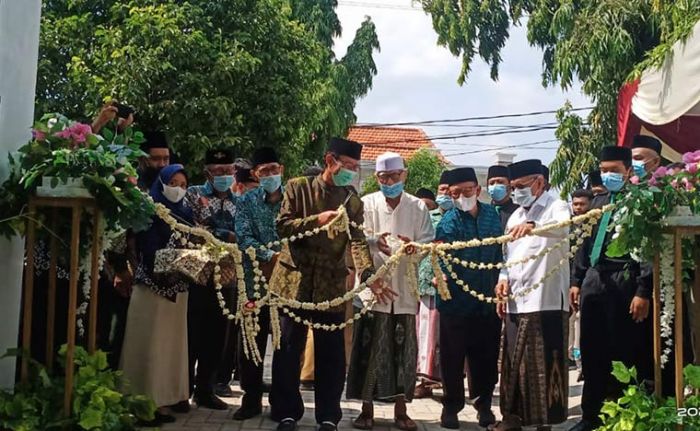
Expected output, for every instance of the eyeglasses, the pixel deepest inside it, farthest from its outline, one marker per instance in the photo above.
(268, 170)
(394, 176)
(347, 165)
(524, 185)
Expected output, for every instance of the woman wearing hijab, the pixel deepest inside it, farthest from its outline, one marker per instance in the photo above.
(154, 357)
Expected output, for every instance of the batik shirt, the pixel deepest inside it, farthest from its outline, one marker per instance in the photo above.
(316, 265)
(256, 221)
(214, 213)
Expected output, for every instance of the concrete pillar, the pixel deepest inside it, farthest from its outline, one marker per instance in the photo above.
(19, 44)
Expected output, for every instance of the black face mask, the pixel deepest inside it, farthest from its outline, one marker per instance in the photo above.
(148, 176)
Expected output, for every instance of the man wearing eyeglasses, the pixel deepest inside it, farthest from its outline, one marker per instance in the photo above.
(256, 216)
(534, 371)
(469, 328)
(313, 269)
(384, 350)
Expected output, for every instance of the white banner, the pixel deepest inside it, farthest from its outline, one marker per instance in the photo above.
(19, 43)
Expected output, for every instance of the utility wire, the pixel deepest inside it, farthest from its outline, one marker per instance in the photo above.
(523, 146)
(458, 120)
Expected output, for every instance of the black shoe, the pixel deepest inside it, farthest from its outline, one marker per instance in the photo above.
(181, 407)
(210, 401)
(449, 421)
(158, 420)
(223, 390)
(328, 426)
(266, 388)
(584, 425)
(246, 412)
(306, 385)
(485, 418)
(287, 425)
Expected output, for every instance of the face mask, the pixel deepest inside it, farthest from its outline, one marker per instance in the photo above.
(613, 181)
(272, 183)
(523, 197)
(498, 192)
(223, 183)
(465, 204)
(445, 202)
(639, 168)
(392, 191)
(173, 194)
(344, 177)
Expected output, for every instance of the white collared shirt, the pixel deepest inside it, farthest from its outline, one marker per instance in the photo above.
(410, 218)
(554, 293)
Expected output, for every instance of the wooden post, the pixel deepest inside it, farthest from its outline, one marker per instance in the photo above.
(657, 326)
(94, 278)
(51, 303)
(76, 210)
(28, 293)
(678, 281)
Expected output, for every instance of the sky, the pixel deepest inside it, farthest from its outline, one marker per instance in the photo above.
(417, 81)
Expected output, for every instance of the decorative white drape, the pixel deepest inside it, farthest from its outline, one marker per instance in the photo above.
(673, 90)
(19, 43)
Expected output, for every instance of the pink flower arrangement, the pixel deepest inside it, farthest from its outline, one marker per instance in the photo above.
(634, 179)
(691, 157)
(38, 135)
(661, 171)
(76, 132)
(692, 168)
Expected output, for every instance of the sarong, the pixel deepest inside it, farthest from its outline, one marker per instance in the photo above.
(383, 359)
(428, 329)
(534, 375)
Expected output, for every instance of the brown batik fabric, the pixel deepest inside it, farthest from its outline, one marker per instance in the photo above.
(534, 372)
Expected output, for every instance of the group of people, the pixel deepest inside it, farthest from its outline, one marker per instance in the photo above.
(178, 346)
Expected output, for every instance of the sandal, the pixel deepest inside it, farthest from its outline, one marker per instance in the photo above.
(363, 422)
(404, 423)
(509, 423)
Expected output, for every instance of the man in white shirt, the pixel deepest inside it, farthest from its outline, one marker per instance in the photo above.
(384, 352)
(534, 372)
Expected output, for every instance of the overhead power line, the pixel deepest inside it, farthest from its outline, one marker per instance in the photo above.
(459, 120)
(506, 147)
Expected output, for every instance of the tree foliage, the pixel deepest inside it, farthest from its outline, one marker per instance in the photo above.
(424, 169)
(245, 73)
(601, 43)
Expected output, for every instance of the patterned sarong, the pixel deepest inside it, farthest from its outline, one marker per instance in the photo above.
(383, 359)
(534, 374)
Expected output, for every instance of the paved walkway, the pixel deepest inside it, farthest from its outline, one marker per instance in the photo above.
(425, 412)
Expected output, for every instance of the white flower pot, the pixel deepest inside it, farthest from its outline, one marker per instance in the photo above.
(682, 216)
(70, 188)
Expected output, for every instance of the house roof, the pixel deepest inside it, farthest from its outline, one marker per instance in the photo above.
(378, 140)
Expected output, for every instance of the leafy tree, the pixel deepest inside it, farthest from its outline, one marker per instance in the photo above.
(601, 43)
(245, 73)
(424, 169)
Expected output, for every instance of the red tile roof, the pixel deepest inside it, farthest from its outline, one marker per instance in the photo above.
(378, 140)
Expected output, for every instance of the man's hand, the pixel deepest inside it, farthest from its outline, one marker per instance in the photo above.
(383, 245)
(501, 310)
(107, 114)
(123, 282)
(521, 230)
(639, 309)
(575, 297)
(326, 217)
(410, 248)
(383, 294)
(502, 289)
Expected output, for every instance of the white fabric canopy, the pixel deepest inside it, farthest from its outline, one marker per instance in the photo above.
(673, 90)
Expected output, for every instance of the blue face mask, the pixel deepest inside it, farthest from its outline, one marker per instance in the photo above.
(498, 192)
(445, 202)
(639, 168)
(272, 183)
(613, 181)
(223, 183)
(392, 191)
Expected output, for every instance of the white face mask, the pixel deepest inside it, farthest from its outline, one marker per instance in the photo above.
(174, 194)
(465, 204)
(523, 197)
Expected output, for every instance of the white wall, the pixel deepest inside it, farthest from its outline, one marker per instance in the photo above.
(19, 42)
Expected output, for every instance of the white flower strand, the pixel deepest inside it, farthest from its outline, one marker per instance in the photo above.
(668, 300)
